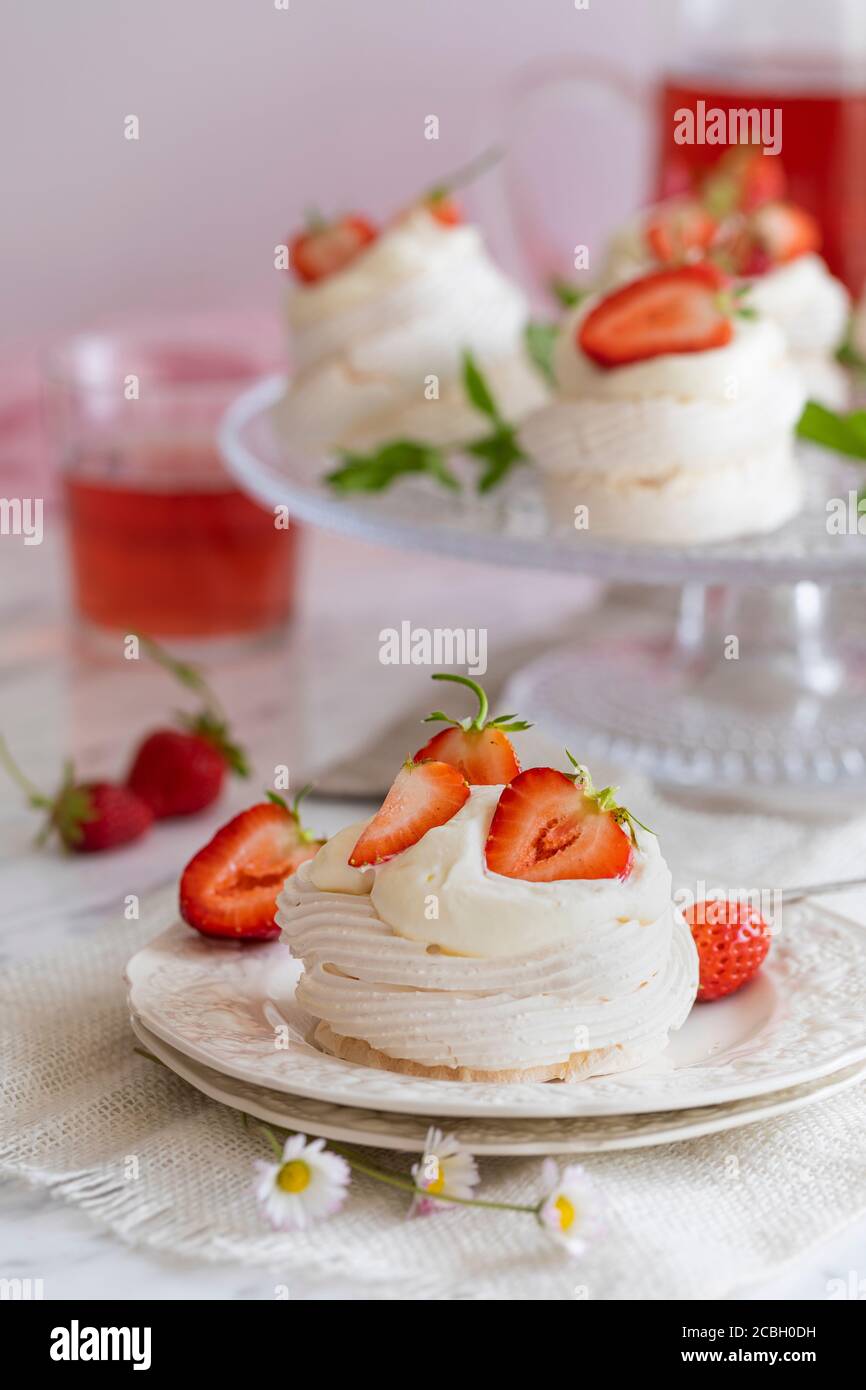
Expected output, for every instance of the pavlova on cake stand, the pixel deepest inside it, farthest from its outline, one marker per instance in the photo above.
(751, 671)
(754, 677)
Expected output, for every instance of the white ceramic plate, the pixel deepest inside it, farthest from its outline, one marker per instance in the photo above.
(406, 1133)
(231, 1007)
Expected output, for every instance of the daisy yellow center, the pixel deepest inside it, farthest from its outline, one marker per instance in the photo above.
(566, 1212)
(437, 1183)
(294, 1176)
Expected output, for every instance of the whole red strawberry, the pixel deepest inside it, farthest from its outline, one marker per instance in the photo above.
(178, 772)
(732, 940)
(113, 816)
(87, 816)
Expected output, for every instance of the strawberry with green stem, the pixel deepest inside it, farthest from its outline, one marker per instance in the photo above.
(476, 746)
(86, 816)
(549, 826)
(178, 772)
(439, 199)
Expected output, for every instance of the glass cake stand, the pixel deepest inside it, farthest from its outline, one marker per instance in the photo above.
(754, 676)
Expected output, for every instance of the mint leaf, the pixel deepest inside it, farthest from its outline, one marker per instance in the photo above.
(500, 451)
(375, 471)
(565, 293)
(540, 339)
(846, 434)
(477, 390)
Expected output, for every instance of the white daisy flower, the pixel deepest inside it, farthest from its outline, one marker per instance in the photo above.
(570, 1208)
(308, 1183)
(446, 1168)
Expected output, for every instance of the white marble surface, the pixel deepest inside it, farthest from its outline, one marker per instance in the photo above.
(304, 701)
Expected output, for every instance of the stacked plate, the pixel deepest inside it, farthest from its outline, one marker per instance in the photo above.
(223, 1017)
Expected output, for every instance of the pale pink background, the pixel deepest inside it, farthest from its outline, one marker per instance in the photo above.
(248, 114)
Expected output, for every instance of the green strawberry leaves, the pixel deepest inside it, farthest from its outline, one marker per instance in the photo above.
(306, 836)
(508, 723)
(540, 339)
(210, 722)
(845, 434)
(375, 471)
(499, 450)
(605, 800)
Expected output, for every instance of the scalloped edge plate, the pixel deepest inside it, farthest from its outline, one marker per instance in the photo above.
(406, 1133)
(231, 1008)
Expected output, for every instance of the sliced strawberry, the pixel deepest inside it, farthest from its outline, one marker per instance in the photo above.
(732, 940)
(668, 311)
(679, 230)
(785, 231)
(546, 828)
(479, 748)
(328, 247)
(424, 795)
(230, 888)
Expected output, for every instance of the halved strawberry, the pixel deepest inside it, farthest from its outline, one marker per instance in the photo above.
(229, 889)
(327, 247)
(551, 825)
(732, 940)
(479, 748)
(785, 231)
(667, 311)
(423, 795)
(679, 230)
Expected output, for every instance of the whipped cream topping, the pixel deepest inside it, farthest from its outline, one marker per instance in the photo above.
(365, 339)
(485, 914)
(808, 303)
(509, 975)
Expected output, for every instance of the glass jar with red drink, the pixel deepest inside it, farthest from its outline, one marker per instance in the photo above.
(801, 66)
(161, 539)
